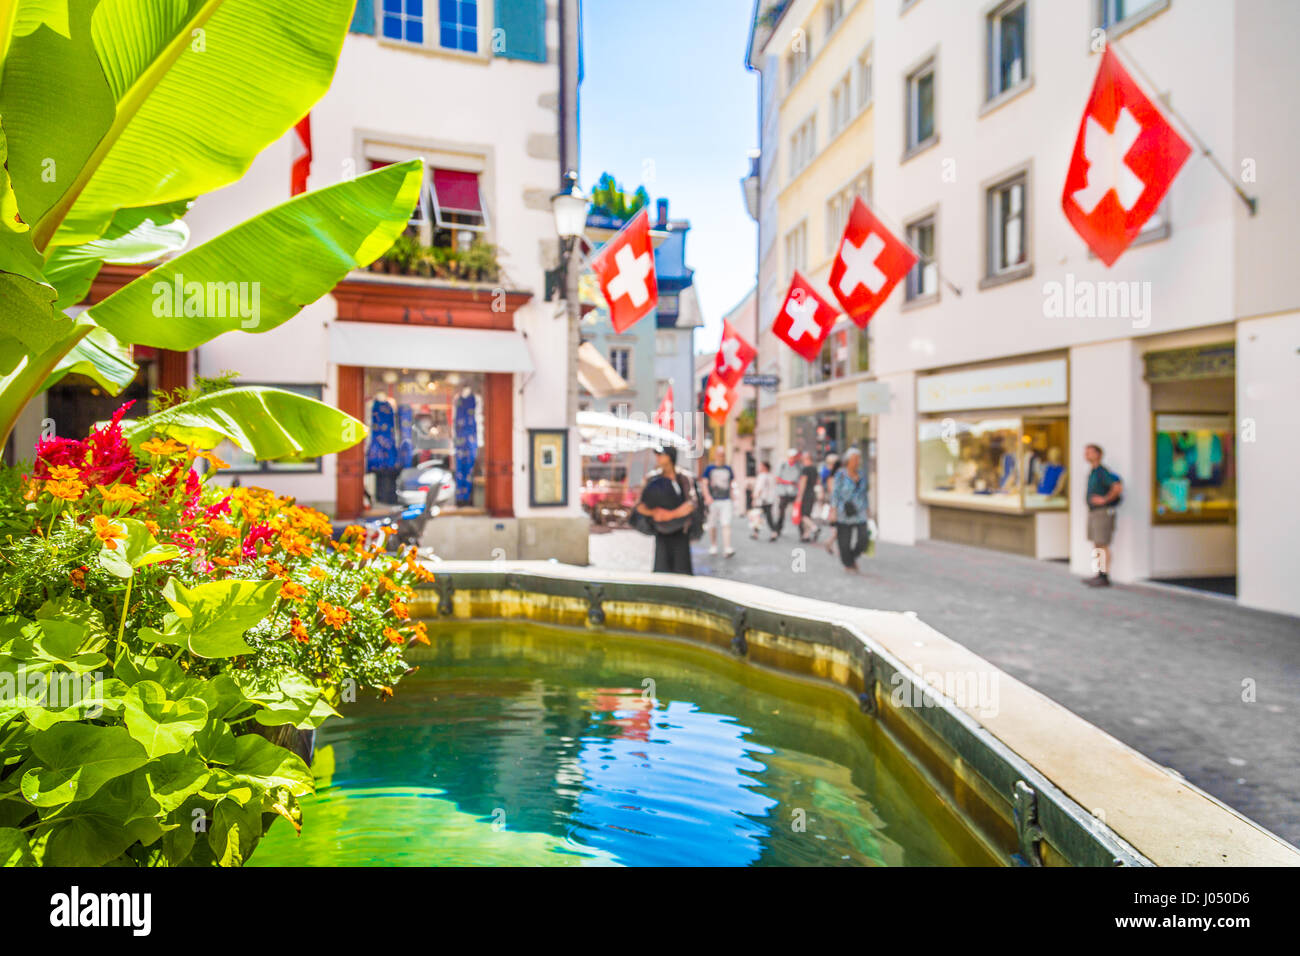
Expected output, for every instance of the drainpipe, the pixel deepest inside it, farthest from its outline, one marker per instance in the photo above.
(570, 25)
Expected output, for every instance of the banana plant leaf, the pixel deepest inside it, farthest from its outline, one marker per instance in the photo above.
(261, 273)
(154, 102)
(99, 357)
(268, 423)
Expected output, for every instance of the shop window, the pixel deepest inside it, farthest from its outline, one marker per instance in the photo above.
(923, 280)
(920, 107)
(1010, 463)
(425, 437)
(1195, 469)
(243, 463)
(1007, 45)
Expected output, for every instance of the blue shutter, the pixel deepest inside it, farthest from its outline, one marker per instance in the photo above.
(363, 19)
(523, 28)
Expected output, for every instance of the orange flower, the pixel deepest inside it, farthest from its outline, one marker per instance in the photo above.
(65, 490)
(293, 591)
(422, 573)
(121, 493)
(317, 573)
(298, 631)
(152, 526)
(419, 633)
(399, 609)
(296, 544)
(223, 529)
(388, 584)
(223, 562)
(216, 463)
(162, 447)
(394, 637)
(335, 617)
(108, 532)
(64, 473)
(276, 568)
(364, 592)
(78, 577)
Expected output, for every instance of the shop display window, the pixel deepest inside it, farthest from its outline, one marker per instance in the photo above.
(1195, 468)
(1009, 463)
(425, 438)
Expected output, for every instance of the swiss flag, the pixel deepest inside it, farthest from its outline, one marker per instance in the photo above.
(300, 148)
(869, 263)
(1125, 158)
(719, 399)
(664, 414)
(805, 319)
(734, 356)
(625, 269)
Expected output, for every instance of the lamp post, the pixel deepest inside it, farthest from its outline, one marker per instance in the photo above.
(570, 208)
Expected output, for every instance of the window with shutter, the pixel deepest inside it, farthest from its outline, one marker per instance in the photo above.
(363, 18)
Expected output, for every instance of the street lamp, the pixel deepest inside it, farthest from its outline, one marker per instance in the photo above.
(570, 209)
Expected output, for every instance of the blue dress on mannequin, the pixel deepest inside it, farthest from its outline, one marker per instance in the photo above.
(381, 452)
(466, 431)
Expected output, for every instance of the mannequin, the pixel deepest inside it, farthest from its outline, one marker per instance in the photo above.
(1052, 482)
(466, 440)
(382, 448)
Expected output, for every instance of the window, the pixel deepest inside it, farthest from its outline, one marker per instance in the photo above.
(451, 209)
(1007, 38)
(864, 351)
(1195, 474)
(621, 358)
(803, 146)
(864, 79)
(796, 249)
(800, 57)
(840, 206)
(841, 104)
(668, 305)
(1115, 12)
(1008, 234)
(457, 28)
(834, 14)
(457, 24)
(1011, 464)
(665, 344)
(923, 280)
(920, 107)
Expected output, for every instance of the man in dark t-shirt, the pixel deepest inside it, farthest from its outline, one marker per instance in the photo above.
(1104, 493)
(718, 480)
(808, 480)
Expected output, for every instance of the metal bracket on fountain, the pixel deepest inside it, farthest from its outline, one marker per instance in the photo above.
(738, 642)
(595, 609)
(1029, 835)
(867, 699)
(445, 591)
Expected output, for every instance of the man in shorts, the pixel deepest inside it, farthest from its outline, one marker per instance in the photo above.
(718, 482)
(1104, 493)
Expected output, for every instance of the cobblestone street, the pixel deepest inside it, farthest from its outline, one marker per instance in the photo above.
(1160, 669)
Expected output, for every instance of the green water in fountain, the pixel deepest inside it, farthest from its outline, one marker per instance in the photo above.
(527, 745)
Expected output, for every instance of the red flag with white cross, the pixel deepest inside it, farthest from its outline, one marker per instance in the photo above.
(300, 147)
(734, 356)
(805, 319)
(1125, 158)
(719, 399)
(664, 413)
(625, 269)
(869, 263)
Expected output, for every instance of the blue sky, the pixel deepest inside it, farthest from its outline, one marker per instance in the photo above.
(667, 102)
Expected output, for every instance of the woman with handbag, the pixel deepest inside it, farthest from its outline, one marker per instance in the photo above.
(849, 509)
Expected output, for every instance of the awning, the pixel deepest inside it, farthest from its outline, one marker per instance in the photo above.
(435, 349)
(457, 191)
(596, 375)
(599, 428)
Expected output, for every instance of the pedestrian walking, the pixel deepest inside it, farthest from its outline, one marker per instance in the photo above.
(849, 510)
(669, 500)
(808, 479)
(719, 480)
(1104, 493)
(764, 501)
(787, 489)
(829, 471)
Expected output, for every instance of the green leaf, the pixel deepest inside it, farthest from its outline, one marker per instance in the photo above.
(261, 273)
(285, 699)
(174, 778)
(214, 615)
(235, 831)
(79, 759)
(138, 549)
(100, 829)
(264, 765)
(14, 849)
(267, 423)
(17, 254)
(162, 726)
(216, 742)
(100, 357)
(76, 697)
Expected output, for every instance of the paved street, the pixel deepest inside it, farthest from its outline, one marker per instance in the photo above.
(1162, 670)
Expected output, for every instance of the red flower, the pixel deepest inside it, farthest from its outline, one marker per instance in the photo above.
(111, 457)
(222, 507)
(256, 534)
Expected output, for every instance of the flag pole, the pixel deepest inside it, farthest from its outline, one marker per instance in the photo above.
(1252, 202)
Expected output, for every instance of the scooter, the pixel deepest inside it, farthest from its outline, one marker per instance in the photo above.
(404, 527)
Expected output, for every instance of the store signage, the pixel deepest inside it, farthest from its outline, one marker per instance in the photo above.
(762, 381)
(1186, 365)
(1005, 386)
(873, 398)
